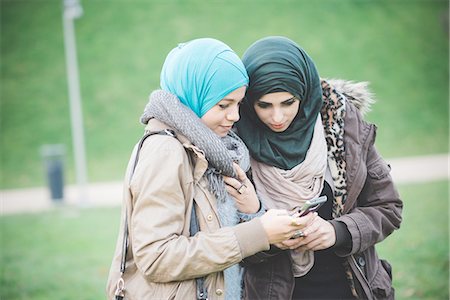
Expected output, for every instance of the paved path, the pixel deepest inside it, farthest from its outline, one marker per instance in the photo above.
(404, 170)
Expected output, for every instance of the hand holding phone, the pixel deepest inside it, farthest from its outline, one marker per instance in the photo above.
(309, 206)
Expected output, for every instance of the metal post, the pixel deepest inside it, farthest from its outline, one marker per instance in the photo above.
(73, 10)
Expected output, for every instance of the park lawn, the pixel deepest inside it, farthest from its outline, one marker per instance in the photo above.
(400, 47)
(419, 251)
(66, 253)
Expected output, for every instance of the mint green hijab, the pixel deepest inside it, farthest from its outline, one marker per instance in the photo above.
(202, 72)
(277, 64)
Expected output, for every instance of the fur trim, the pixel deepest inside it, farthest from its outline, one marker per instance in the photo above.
(357, 93)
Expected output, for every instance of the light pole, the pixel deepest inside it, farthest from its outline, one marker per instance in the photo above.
(73, 10)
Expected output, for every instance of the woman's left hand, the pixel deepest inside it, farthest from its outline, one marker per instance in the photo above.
(318, 235)
(243, 191)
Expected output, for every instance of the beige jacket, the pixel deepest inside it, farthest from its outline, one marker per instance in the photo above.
(163, 260)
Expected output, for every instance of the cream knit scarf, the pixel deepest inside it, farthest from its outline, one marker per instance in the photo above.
(285, 189)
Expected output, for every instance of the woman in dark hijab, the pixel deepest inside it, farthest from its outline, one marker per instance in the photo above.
(307, 138)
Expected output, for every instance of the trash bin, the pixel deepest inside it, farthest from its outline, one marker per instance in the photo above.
(53, 156)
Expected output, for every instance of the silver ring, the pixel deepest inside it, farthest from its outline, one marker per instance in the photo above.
(239, 189)
(297, 234)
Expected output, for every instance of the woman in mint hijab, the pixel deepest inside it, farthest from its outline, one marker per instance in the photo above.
(307, 138)
(187, 197)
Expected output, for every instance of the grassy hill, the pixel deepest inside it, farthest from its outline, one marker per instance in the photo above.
(400, 47)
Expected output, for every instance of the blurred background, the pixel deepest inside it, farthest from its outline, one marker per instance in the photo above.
(401, 47)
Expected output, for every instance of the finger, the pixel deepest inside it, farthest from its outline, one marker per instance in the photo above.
(311, 217)
(299, 221)
(230, 181)
(239, 172)
(305, 243)
(313, 244)
(241, 188)
(281, 246)
(293, 243)
(313, 227)
(235, 184)
(232, 191)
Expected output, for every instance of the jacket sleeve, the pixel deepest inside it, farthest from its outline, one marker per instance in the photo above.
(161, 187)
(378, 210)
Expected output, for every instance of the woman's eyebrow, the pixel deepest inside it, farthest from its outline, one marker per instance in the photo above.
(261, 101)
(292, 98)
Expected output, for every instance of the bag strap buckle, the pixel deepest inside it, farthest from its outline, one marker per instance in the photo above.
(169, 132)
(120, 287)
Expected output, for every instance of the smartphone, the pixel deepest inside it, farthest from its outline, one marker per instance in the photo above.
(309, 206)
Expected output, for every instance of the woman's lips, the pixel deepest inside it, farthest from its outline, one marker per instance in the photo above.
(277, 126)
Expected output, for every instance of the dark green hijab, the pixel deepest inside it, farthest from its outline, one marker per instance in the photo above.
(277, 64)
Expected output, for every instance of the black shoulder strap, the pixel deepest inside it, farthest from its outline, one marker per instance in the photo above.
(202, 293)
(121, 284)
(168, 132)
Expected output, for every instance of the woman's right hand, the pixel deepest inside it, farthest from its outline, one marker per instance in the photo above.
(280, 226)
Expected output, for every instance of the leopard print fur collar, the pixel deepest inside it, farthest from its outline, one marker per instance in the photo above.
(334, 95)
(333, 114)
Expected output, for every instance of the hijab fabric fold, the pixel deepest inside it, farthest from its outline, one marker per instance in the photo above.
(201, 72)
(277, 64)
(287, 189)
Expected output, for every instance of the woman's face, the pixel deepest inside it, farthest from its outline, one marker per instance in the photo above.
(277, 110)
(221, 117)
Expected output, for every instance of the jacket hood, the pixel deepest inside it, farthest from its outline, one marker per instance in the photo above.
(357, 93)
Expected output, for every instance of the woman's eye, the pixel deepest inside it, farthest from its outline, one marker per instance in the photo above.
(223, 106)
(262, 104)
(289, 102)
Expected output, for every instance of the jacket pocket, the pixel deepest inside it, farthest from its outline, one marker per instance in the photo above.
(379, 169)
(382, 282)
(269, 280)
(138, 287)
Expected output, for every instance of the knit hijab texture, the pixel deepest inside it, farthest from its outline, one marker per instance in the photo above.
(277, 64)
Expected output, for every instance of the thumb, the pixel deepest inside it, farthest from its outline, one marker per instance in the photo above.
(239, 172)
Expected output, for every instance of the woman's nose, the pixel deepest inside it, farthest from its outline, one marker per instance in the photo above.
(277, 115)
(233, 115)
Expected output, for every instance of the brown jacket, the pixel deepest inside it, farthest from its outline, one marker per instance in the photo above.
(163, 260)
(371, 213)
(373, 208)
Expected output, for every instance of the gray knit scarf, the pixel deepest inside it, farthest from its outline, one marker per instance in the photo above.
(220, 154)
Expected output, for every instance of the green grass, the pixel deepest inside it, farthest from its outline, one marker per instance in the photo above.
(420, 249)
(66, 253)
(399, 46)
(63, 254)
